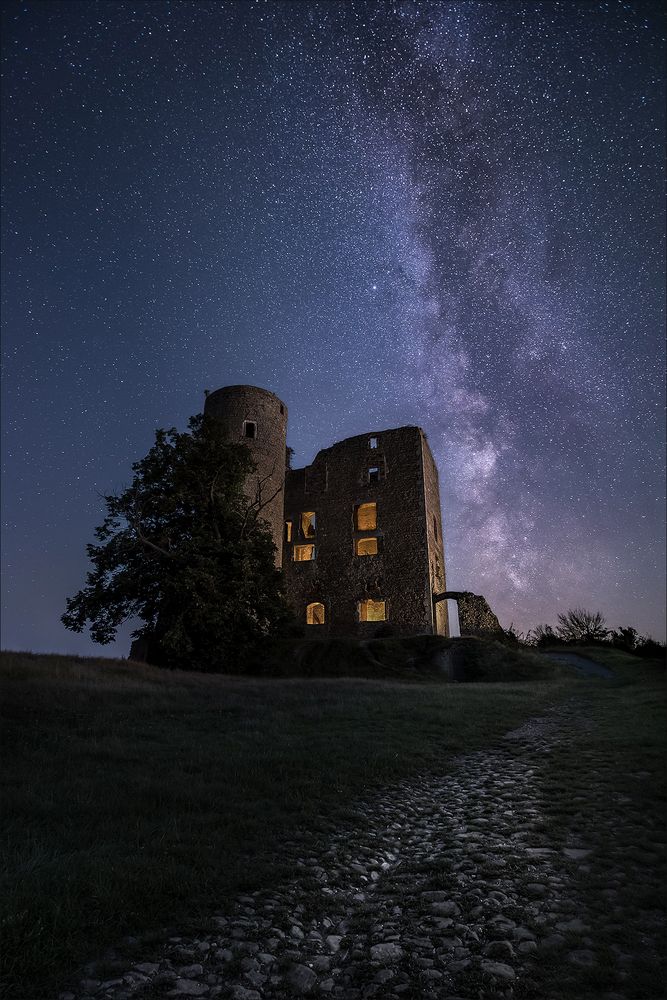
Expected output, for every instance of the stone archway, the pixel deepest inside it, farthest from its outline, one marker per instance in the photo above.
(475, 616)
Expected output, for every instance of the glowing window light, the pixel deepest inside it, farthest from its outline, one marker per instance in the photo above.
(304, 553)
(366, 517)
(372, 611)
(315, 614)
(367, 546)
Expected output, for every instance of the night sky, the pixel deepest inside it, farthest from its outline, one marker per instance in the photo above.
(446, 214)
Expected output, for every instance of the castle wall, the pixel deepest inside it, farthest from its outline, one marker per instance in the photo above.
(405, 493)
(436, 555)
(239, 406)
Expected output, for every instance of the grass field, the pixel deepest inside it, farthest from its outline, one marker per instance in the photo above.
(136, 798)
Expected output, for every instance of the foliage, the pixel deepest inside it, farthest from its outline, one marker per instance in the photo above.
(624, 638)
(187, 553)
(650, 649)
(580, 625)
(543, 635)
(512, 637)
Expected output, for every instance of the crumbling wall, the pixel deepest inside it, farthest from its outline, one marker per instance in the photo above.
(475, 615)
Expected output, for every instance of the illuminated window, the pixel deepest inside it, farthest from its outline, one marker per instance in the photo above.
(367, 546)
(372, 611)
(315, 614)
(372, 442)
(304, 553)
(249, 429)
(308, 524)
(373, 474)
(366, 518)
(288, 531)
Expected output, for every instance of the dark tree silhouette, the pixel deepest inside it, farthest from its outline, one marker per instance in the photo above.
(183, 550)
(579, 625)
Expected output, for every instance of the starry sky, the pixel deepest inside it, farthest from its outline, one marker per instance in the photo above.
(443, 214)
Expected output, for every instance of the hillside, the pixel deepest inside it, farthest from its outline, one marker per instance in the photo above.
(137, 799)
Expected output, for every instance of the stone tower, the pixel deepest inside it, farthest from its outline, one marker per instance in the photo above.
(258, 419)
(363, 549)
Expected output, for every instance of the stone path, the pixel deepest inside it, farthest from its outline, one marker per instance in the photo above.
(451, 887)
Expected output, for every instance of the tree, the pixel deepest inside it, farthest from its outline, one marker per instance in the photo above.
(187, 553)
(625, 638)
(543, 635)
(579, 625)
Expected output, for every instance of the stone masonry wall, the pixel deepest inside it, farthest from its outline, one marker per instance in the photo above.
(475, 616)
(332, 487)
(234, 404)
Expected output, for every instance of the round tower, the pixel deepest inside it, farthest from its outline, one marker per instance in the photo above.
(258, 419)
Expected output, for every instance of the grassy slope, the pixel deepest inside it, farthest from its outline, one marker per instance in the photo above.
(136, 798)
(623, 762)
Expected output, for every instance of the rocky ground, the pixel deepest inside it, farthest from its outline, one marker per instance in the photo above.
(483, 882)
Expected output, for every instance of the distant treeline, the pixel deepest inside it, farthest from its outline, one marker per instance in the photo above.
(579, 627)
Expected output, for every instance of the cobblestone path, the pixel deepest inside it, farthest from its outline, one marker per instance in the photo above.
(457, 886)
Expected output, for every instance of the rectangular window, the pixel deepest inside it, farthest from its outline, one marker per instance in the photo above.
(372, 442)
(249, 429)
(367, 546)
(304, 553)
(365, 517)
(435, 527)
(372, 611)
(308, 524)
(288, 531)
(373, 474)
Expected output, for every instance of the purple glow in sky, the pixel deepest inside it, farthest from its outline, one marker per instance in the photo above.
(443, 214)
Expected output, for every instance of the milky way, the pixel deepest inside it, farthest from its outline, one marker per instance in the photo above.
(439, 214)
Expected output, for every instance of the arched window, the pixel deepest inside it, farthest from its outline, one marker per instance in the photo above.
(372, 611)
(315, 614)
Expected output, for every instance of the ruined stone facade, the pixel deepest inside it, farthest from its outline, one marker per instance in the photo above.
(358, 532)
(475, 616)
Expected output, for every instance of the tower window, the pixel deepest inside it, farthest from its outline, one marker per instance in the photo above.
(288, 531)
(372, 611)
(373, 474)
(315, 614)
(308, 524)
(372, 442)
(249, 429)
(365, 517)
(366, 546)
(435, 527)
(304, 553)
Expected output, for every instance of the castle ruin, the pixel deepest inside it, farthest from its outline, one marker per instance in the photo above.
(358, 532)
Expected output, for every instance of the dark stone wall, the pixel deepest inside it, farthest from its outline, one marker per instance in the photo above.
(234, 404)
(407, 502)
(475, 616)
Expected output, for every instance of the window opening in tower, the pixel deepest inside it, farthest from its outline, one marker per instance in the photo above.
(308, 524)
(315, 614)
(366, 517)
(372, 611)
(304, 553)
